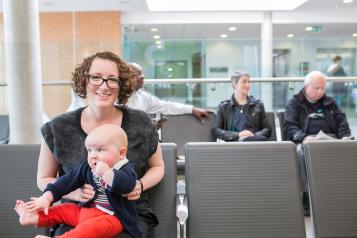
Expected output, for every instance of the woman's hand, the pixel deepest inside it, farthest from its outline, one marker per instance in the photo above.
(135, 194)
(244, 134)
(85, 193)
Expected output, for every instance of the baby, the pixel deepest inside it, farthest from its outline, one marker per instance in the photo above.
(108, 171)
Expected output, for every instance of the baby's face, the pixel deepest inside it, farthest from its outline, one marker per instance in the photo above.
(107, 153)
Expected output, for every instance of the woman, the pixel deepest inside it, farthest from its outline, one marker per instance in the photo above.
(103, 79)
(242, 117)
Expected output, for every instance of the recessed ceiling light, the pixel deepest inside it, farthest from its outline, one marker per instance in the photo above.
(354, 34)
(154, 29)
(290, 35)
(232, 28)
(308, 28)
(158, 42)
(347, 1)
(223, 5)
(156, 37)
(224, 35)
(159, 46)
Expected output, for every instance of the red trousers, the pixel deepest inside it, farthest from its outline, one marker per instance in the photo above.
(88, 222)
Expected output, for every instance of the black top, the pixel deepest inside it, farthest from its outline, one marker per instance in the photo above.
(241, 118)
(297, 120)
(65, 138)
(224, 126)
(317, 119)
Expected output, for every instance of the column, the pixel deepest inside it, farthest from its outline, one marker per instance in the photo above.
(23, 70)
(267, 59)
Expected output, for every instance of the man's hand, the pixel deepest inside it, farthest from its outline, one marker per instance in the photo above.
(309, 138)
(199, 113)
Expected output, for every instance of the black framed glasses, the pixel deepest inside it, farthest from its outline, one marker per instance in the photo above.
(96, 80)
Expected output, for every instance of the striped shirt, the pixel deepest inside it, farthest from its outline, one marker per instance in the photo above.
(101, 201)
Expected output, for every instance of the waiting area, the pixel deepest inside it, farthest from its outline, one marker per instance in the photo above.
(232, 189)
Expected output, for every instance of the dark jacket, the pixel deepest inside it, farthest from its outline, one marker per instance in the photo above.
(124, 182)
(222, 125)
(296, 118)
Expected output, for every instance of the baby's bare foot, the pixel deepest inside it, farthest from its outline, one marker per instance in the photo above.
(26, 217)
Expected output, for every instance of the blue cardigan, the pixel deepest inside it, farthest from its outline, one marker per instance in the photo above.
(124, 182)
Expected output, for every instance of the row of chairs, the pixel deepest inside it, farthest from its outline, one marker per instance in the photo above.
(233, 189)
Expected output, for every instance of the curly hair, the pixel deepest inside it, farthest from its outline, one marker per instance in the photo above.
(126, 74)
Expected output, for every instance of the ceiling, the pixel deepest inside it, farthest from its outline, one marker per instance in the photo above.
(335, 18)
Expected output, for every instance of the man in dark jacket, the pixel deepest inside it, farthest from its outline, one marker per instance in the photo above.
(309, 112)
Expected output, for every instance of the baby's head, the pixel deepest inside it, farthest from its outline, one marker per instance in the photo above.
(107, 143)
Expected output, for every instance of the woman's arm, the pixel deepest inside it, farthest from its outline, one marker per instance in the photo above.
(153, 175)
(156, 170)
(218, 127)
(47, 169)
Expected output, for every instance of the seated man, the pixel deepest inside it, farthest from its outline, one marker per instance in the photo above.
(309, 112)
(150, 104)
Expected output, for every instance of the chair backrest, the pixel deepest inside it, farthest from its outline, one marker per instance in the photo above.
(17, 181)
(180, 129)
(245, 190)
(164, 195)
(332, 176)
(271, 119)
(281, 124)
(4, 129)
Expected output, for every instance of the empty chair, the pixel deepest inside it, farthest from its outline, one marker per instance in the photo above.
(164, 195)
(332, 176)
(17, 181)
(271, 119)
(245, 190)
(281, 124)
(4, 129)
(181, 129)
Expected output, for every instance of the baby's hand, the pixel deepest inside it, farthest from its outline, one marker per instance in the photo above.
(39, 203)
(100, 168)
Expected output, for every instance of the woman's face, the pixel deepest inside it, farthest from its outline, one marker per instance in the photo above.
(243, 85)
(102, 96)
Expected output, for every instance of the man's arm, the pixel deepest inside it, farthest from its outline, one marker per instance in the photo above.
(156, 105)
(292, 127)
(343, 128)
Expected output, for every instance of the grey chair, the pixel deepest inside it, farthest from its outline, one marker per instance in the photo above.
(180, 129)
(332, 176)
(17, 181)
(281, 118)
(164, 195)
(271, 119)
(4, 129)
(245, 190)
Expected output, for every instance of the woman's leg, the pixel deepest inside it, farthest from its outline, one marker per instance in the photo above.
(146, 228)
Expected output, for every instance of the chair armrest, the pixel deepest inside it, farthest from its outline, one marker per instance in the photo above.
(181, 206)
